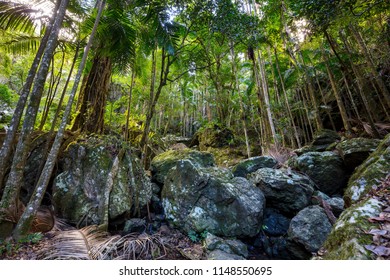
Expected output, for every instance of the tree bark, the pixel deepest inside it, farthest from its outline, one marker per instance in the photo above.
(90, 117)
(6, 149)
(339, 100)
(371, 65)
(25, 221)
(13, 185)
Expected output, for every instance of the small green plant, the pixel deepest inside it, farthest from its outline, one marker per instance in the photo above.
(9, 246)
(197, 237)
(32, 238)
(6, 95)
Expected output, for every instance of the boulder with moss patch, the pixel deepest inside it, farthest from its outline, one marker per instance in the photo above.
(252, 164)
(162, 163)
(211, 199)
(347, 238)
(355, 151)
(214, 136)
(369, 174)
(284, 189)
(78, 191)
(326, 169)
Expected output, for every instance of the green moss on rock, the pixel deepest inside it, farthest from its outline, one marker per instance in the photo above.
(163, 162)
(374, 169)
(347, 238)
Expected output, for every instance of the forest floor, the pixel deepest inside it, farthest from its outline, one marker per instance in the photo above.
(177, 246)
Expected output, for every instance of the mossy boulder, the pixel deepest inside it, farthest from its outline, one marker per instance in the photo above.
(367, 175)
(162, 163)
(326, 169)
(202, 199)
(310, 227)
(252, 164)
(78, 191)
(323, 138)
(347, 238)
(355, 151)
(214, 136)
(285, 190)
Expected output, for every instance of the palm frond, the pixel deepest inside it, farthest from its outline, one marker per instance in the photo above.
(67, 245)
(17, 17)
(92, 243)
(19, 43)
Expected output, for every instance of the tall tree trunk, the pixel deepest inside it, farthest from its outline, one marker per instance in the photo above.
(360, 84)
(129, 105)
(25, 221)
(339, 100)
(14, 182)
(6, 149)
(165, 65)
(291, 118)
(237, 87)
(90, 117)
(52, 91)
(371, 65)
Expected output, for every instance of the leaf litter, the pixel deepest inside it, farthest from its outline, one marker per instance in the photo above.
(380, 245)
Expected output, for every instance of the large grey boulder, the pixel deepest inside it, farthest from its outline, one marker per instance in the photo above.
(326, 169)
(211, 199)
(285, 190)
(310, 227)
(252, 164)
(79, 190)
(162, 163)
(355, 151)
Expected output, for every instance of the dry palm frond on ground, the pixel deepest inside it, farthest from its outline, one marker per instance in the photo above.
(91, 243)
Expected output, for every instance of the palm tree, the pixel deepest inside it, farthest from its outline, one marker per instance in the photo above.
(113, 50)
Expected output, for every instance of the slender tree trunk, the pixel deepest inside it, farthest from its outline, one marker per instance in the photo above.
(312, 95)
(25, 221)
(371, 65)
(52, 92)
(360, 84)
(291, 118)
(14, 182)
(65, 88)
(129, 105)
(339, 100)
(165, 64)
(237, 87)
(6, 149)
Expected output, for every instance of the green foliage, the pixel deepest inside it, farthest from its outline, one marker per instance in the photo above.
(197, 237)
(6, 95)
(9, 247)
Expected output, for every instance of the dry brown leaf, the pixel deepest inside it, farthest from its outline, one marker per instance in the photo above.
(378, 232)
(379, 250)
